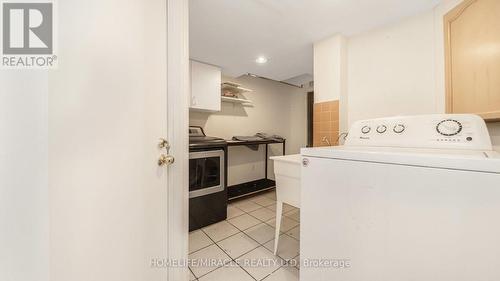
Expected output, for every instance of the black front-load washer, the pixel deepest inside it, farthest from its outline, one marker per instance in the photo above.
(207, 179)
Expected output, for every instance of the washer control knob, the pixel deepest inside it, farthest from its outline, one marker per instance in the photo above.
(399, 128)
(381, 129)
(449, 127)
(366, 129)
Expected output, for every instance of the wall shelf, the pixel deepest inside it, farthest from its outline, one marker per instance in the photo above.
(234, 88)
(236, 100)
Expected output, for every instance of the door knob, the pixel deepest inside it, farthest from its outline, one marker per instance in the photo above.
(165, 160)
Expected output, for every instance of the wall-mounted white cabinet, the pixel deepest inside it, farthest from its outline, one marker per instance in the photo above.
(205, 87)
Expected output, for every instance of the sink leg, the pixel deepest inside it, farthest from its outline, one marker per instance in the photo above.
(279, 212)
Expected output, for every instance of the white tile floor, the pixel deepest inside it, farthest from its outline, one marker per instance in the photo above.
(241, 247)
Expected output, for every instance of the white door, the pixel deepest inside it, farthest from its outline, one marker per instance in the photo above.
(108, 100)
(103, 209)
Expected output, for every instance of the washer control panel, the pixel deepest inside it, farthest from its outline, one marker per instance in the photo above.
(444, 131)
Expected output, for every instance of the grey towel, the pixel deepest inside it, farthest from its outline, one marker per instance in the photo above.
(247, 138)
(268, 137)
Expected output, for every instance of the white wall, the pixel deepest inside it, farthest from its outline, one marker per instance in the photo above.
(391, 71)
(328, 68)
(330, 74)
(277, 109)
(399, 69)
(24, 192)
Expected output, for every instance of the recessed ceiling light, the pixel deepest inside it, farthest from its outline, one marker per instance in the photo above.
(261, 60)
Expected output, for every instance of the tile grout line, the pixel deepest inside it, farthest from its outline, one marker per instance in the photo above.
(286, 262)
(227, 220)
(265, 222)
(195, 278)
(262, 245)
(214, 243)
(274, 227)
(282, 266)
(259, 245)
(244, 213)
(234, 260)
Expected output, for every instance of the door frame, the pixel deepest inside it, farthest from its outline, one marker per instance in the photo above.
(178, 122)
(310, 119)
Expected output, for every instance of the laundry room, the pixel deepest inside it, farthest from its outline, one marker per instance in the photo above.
(278, 105)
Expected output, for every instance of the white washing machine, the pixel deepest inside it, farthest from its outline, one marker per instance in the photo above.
(406, 198)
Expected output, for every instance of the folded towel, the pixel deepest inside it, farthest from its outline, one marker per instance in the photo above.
(247, 138)
(259, 137)
(269, 137)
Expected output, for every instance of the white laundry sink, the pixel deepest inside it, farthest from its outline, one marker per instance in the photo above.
(287, 174)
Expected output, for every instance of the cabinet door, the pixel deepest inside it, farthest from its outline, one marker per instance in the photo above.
(205, 87)
(472, 32)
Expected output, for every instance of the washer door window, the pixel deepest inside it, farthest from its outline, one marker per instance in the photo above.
(206, 172)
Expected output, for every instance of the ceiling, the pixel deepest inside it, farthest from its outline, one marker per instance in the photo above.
(233, 33)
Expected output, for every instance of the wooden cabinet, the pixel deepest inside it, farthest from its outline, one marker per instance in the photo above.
(472, 35)
(205, 87)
